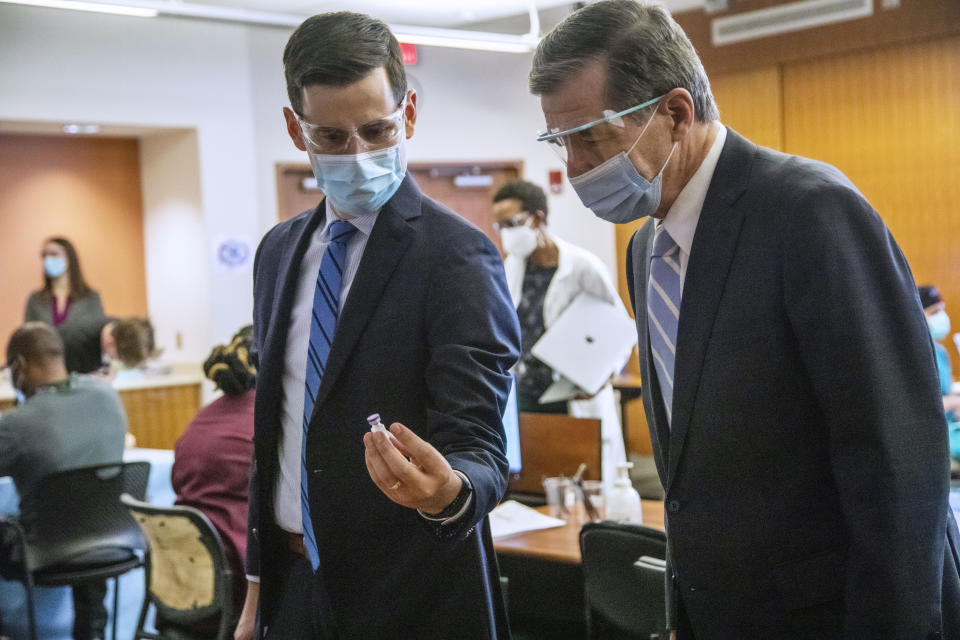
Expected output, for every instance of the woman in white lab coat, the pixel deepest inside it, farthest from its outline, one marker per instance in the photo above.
(544, 275)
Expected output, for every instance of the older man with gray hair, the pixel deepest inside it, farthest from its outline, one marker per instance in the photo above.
(789, 379)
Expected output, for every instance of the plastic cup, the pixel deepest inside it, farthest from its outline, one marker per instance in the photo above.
(593, 492)
(561, 497)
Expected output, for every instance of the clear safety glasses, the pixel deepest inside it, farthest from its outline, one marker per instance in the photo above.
(377, 134)
(592, 142)
(509, 223)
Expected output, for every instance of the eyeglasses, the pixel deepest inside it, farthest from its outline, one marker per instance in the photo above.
(508, 223)
(376, 134)
(594, 141)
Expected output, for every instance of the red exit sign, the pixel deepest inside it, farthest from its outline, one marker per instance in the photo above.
(409, 52)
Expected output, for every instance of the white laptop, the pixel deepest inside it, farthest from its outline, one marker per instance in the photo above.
(588, 342)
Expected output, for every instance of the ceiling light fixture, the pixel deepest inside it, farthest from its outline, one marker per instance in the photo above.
(75, 128)
(426, 36)
(97, 7)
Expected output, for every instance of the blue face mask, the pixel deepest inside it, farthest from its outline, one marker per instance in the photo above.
(939, 324)
(360, 184)
(54, 266)
(616, 192)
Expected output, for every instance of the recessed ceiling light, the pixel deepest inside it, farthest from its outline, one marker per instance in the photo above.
(74, 128)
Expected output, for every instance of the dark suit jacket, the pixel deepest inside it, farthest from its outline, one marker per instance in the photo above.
(806, 466)
(426, 337)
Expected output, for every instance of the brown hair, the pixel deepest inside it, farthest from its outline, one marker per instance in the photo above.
(338, 49)
(78, 286)
(134, 338)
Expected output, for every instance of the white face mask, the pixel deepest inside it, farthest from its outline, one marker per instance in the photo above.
(939, 324)
(519, 241)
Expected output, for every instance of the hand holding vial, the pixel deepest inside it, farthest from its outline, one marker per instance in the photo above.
(407, 469)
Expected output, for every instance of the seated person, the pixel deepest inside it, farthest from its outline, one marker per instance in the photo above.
(939, 323)
(211, 468)
(66, 421)
(545, 274)
(92, 344)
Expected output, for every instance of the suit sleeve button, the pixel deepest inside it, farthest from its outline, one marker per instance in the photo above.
(673, 506)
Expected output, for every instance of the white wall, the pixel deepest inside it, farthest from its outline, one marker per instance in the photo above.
(71, 66)
(225, 83)
(176, 252)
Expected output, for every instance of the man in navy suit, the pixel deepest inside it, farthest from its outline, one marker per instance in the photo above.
(410, 318)
(789, 379)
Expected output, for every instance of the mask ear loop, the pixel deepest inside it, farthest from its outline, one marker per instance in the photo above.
(669, 155)
(642, 131)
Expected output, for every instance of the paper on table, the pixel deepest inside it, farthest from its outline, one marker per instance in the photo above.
(511, 517)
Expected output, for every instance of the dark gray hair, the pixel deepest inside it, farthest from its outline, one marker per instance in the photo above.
(646, 52)
(338, 49)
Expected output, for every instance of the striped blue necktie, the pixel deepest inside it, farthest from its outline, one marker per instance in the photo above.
(663, 312)
(326, 301)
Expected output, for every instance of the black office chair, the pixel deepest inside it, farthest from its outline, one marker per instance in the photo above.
(623, 573)
(83, 534)
(189, 581)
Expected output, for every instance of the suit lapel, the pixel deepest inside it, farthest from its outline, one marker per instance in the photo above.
(288, 275)
(389, 240)
(714, 244)
(643, 246)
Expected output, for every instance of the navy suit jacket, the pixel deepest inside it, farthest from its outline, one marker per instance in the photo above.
(806, 467)
(426, 338)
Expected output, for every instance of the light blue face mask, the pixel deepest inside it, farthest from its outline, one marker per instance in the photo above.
(616, 192)
(939, 324)
(54, 266)
(360, 184)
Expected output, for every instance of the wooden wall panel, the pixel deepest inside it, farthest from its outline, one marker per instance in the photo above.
(87, 189)
(909, 21)
(751, 103)
(890, 120)
(159, 415)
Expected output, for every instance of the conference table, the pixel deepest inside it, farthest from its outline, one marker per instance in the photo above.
(545, 592)
(55, 604)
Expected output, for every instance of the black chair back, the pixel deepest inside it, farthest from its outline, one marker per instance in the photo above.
(82, 521)
(188, 579)
(82, 534)
(624, 580)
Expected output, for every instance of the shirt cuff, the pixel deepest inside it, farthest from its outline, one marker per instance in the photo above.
(251, 578)
(444, 519)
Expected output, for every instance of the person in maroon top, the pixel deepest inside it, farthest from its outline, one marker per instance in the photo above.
(211, 468)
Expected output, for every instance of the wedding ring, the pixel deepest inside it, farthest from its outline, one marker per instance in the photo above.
(396, 486)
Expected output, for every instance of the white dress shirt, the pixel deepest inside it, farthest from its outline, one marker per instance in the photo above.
(684, 214)
(287, 489)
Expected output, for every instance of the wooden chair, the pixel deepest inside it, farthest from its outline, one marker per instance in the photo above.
(553, 445)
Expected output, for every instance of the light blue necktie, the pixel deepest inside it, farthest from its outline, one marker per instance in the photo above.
(326, 301)
(663, 312)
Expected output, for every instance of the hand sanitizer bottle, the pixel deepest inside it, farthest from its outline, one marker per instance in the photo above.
(623, 504)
